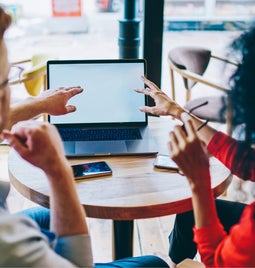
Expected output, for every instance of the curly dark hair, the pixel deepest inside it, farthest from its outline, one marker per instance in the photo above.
(5, 21)
(242, 83)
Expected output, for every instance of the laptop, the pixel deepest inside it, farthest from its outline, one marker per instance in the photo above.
(107, 120)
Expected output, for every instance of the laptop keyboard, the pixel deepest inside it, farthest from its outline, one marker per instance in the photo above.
(100, 134)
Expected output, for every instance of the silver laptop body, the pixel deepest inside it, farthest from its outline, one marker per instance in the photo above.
(107, 120)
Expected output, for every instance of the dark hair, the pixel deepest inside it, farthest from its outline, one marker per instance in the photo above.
(242, 82)
(5, 21)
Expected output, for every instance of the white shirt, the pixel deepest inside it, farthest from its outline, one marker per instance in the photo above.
(23, 244)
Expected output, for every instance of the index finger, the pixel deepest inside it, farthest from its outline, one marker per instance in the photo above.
(144, 91)
(74, 91)
(149, 83)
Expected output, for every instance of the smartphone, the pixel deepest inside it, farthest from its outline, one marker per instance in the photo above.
(164, 161)
(89, 170)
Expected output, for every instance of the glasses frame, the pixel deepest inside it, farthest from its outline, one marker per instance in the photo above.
(4, 84)
(17, 75)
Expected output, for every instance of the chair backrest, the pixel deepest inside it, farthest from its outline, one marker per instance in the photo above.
(191, 63)
(194, 59)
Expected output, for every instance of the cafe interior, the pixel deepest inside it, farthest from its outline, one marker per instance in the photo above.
(184, 44)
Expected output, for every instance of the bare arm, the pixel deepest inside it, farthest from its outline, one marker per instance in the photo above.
(187, 151)
(53, 101)
(164, 105)
(40, 144)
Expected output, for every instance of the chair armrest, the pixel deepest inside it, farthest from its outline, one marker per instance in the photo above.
(199, 79)
(188, 263)
(20, 62)
(224, 60)
(27, 76)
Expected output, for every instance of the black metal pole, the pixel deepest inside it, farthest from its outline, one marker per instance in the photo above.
(153, 34)
(129, 32)
(129, 42)
(123, 239)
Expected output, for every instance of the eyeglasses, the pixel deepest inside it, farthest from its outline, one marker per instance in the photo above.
(15, 73)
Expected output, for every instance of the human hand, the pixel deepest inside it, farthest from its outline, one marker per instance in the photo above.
(188, 152)
(163, 104)
(54, 101)
(38, 143)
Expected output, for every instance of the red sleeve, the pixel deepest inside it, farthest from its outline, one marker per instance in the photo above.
(234, 250)
(207, 239)
(235, 155)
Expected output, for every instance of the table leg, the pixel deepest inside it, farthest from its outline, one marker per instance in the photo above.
(122, 239)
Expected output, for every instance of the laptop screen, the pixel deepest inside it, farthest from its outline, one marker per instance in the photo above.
(108, 95)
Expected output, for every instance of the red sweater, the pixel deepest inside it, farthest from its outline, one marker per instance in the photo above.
(236, 249)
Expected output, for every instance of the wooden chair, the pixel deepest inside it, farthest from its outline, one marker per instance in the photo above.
(191, 63)
(33, 73)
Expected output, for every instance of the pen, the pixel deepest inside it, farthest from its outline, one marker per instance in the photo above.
(202, 125)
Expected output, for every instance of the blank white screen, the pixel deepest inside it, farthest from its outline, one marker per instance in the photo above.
(108, 94)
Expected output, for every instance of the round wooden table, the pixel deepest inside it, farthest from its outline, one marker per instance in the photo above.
(135, 190)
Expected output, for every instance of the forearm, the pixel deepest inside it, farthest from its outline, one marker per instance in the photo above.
(24, 110)
(40, 145)
(65, 205)
(52, 101)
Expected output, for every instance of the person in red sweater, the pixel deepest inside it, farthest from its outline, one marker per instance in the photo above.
(223, 231)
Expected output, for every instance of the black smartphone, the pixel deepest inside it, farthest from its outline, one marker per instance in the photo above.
(164, 161)
(89, 170)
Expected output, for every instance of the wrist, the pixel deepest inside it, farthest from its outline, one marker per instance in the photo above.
(40, 105)
(200, 186)
(35, 105)
(59, 170)
(177, 112)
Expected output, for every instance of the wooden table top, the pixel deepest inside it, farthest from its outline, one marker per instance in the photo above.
(135, 190)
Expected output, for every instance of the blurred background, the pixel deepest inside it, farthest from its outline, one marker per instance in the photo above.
(71, 29)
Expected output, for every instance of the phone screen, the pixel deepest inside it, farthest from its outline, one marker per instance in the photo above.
(93, 169)
(164, 161)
